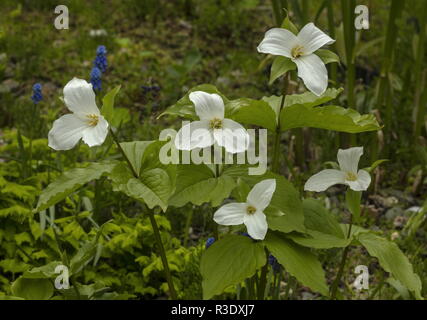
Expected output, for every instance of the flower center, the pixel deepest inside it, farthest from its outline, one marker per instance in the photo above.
(297, 51)
(350, 176)
(92, 119)
(250, 210)
(216, 123)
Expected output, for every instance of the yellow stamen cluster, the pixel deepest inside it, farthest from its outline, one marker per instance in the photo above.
(92, 119)
(216, 123)
(250, 210)
(297, 51)
(350, 176)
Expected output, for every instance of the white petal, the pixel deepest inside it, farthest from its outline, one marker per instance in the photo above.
(66, 132)
(362, 183)
(348, 159)
(312, 38)
(230, 214)
(193, 135)
(233, 136)
(279, 42)
(80, 98)
(313, 72)
(261, 194)
(324, 179)
(208, 105)
(256, 224)
(95, 135)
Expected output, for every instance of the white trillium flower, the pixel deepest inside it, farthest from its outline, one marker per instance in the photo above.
(300, 49)
(348, 159)
(85, 122)
(212, 127)
(250, 212)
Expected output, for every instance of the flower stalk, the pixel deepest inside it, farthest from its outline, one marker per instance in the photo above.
(153, 224)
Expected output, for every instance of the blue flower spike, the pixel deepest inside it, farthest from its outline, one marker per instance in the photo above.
(37, 93)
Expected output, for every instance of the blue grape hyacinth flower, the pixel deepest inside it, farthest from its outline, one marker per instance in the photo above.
(209, 242)
(37, 93)
(274, 263)
(95, 78)
(101, 59)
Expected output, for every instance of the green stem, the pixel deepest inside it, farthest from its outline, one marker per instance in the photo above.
(347, 7)
(263, 279)
(162, 254)
(334, 288)
(419, 87)
(153, 224)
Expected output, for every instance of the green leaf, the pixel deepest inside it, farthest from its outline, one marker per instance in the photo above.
(185, 108)
(228, 262)
(249, 111)
(392, 259)
(323, 231)
(352, 199)
(153, 187)
(319, 219)
(32, 289)
(300, 111)
(135, 151)
(309, 99)
(197, 184)
(328, 117)
(108, 104)
(285, 212)
(287, 24)
(46, 271)
(299, 261)
(70, 181)
(82, 257)
(280, 66)
(327, 56)
(376, 164)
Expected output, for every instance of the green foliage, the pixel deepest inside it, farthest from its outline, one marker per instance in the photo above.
(197, 184)
(69, 182)
(392, 259)
(228, 262)
(300, 262)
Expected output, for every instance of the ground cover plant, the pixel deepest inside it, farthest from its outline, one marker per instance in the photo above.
(262, 150)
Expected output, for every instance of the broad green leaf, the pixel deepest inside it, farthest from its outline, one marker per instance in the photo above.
(300, 111)
(275, 103)
(299, 261)
(120, 117)
(32, 289)
(197, 184)
(323, 231)
(185, 108)
(328, 117)
(249, 111)
(280, 66)
(309, 99)
(319, 240)
(108, 104)
(135, 152)
(319, 219)
(46, 271)
(285, 212)
(70, 181)
(153, 187)
(228, 262)
(327, 56)
(392, 259)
